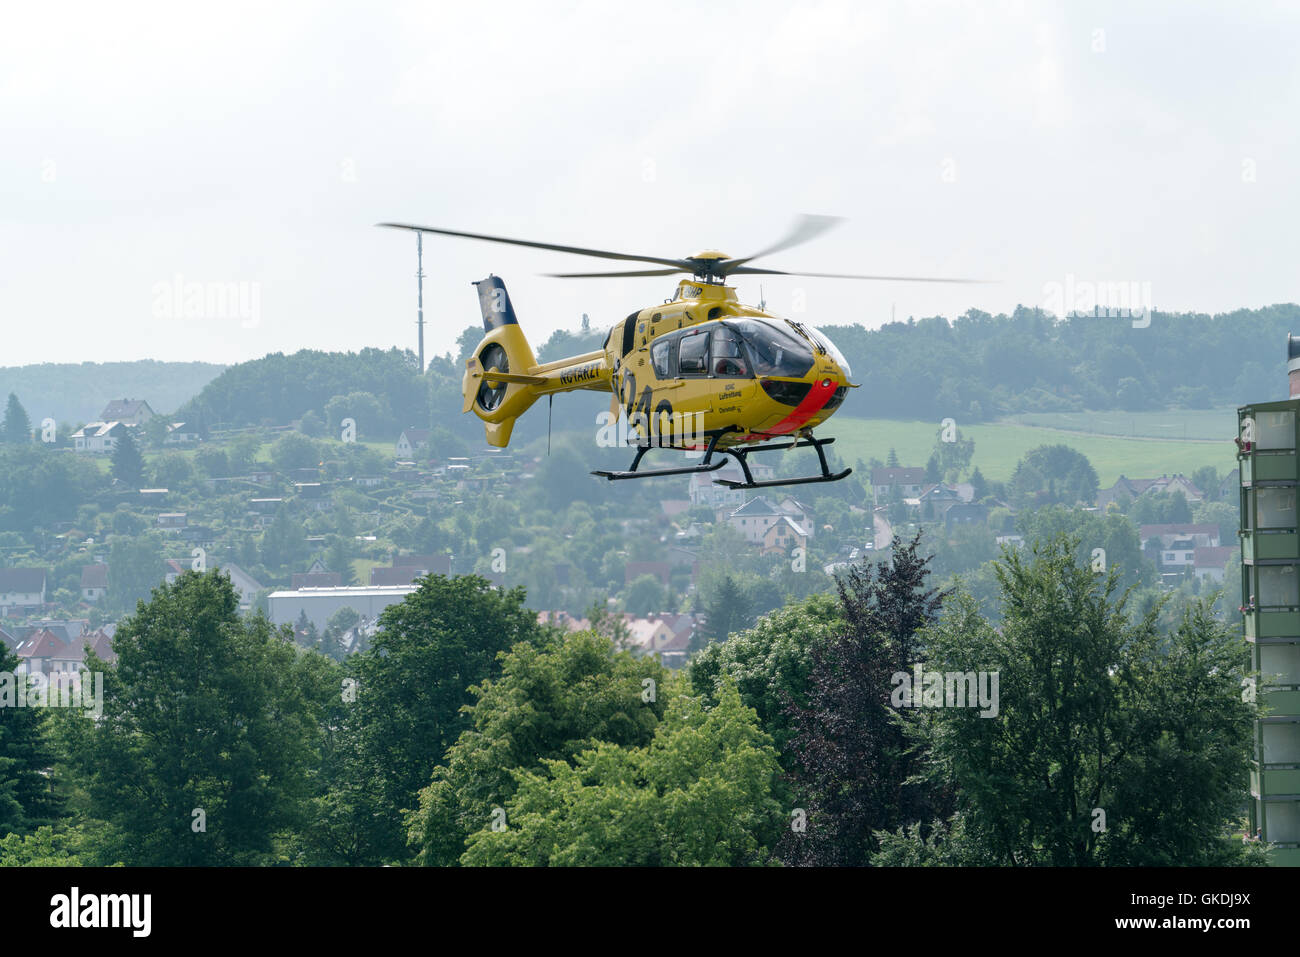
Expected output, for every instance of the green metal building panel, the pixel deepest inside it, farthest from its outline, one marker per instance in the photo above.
(1269, 436)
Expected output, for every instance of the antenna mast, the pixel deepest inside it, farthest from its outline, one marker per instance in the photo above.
(419, 280)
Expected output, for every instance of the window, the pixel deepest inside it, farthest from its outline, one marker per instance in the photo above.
(693, 354)
(773, 351)
(661, 358)
(1276, 507)
(1276, 586)
(727, 358)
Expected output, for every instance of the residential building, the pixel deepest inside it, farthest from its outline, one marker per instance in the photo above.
(1211, 562)
(127, 411)
(907, 482)
(22, 590)
(98, 437)
(1126, 489)
(1202, 535)
(410, 442)
(94, 582)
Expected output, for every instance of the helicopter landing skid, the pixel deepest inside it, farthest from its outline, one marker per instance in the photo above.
(740, 456)
(706, 465)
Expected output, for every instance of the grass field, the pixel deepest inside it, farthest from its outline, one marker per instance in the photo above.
(1189, 424)
(1000, 445)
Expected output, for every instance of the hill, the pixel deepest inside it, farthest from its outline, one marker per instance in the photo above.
(77, 392)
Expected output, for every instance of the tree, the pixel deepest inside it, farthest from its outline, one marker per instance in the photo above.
(698, 795)
(293, 450)
(549, 703)
(1111, 743)
(16, 427)
(1052, 474)
(208, 734)
(430, 649)
(135, 566)
(128, 462)
(771, 662)
(644, 595)
(979, 487)
(727, 609)
(953, 457)
(854, 771)
(26, 799)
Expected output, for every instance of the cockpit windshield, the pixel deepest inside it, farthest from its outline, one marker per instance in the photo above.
(773, 351)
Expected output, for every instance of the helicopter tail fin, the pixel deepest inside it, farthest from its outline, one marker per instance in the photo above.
(506, 351)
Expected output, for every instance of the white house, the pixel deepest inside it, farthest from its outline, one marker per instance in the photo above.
(98, 436)
(94, 582)
(411, 441)
(21, 589)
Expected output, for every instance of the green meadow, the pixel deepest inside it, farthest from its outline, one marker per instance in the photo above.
(1122, 444)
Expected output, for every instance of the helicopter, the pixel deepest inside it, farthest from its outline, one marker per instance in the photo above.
(700, 372)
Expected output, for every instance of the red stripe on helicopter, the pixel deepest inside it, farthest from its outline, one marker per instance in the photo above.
(812, 403)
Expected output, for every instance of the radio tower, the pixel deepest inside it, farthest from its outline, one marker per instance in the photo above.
(419, 281)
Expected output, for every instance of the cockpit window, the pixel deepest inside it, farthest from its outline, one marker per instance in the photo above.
(661, 357)
(773, 351)
(727, 357)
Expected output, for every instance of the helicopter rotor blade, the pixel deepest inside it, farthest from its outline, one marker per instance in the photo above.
(804, 228)
(604, 275)
(753, 271)
(677, 264)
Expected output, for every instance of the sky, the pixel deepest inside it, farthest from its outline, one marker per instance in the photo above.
(189, 182)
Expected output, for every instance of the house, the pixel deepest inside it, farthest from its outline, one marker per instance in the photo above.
(98, 437)
(1126, 489)
(1202, 535)
(562, 619)
(43, 652)
(935, 500)
(783, 536)
(368, 481)
(1179, 553)
(172, 521)
(965, 513)
(410, 442)
(246, 586)
(1230, 486)
(1211, 562)
(704, 492)
(127, 411)
(8, 642)
(182, 433)
(755, 517)
(907, 482)
(22, 590)
(94, 582)
(173, 569)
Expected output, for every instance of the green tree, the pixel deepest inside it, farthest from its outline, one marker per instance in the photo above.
(549, 703)
(135, 566)
(1096, 712)
(770, 663)
(699, 794)
(16, 427)
(854, 770)
(128, 462)
(208, 735)
(415, 679)
(293, 450)
(26, 799)
(644, 595)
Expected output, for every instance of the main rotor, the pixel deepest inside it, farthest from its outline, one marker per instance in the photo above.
(707, 266)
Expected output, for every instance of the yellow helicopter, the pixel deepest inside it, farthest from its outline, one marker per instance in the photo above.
(702, 371)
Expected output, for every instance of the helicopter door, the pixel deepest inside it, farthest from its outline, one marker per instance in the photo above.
(693, 354)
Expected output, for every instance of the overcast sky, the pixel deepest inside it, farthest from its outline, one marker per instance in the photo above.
(146, 145)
